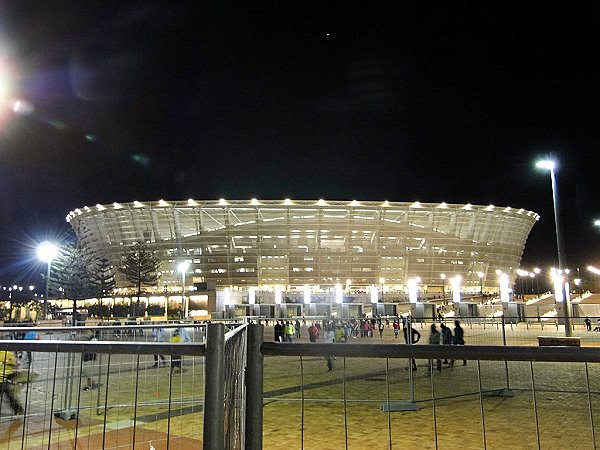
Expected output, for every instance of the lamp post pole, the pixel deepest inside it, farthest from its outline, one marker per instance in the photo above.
(382, 282)
(550, 165)
(46, 253)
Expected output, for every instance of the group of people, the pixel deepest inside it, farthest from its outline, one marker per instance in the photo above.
(445, 337)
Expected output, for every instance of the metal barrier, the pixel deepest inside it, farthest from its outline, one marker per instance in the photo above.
(223, 391)
(132, 391)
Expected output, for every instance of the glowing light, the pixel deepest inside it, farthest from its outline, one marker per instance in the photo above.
(183, 267)
(99, 207)
(537, 270)
(354, 203)
(278, 290)
(90, 137)
(47, 251)
(137, 204)
(162, 203)
(222, 202)
(480, 274)
(546, 164)
(443, 276)
(456, 288)
(416, 205)
(374, 293)
(412, 290)
(558, 288)
(381, 280)
(339, 295)
(22, 107)
(254, 202)
(443, 205)
(321, 202)
(251, 296)
(192, 202)
(594, 270)
(287, 202)
(117, 205)
(306, 294)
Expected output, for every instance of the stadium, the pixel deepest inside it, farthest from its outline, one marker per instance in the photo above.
(243, 245)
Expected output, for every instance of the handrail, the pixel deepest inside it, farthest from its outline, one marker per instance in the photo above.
(236, 330)
(469, 352)
(132, 348)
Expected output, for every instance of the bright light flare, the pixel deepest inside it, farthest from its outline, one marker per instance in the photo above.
(547, 164)
(47, 251)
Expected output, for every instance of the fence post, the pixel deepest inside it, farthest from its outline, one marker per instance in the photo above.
(254, 388)
(214, 410)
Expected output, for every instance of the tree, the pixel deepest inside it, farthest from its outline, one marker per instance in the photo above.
(74, 274)
(140, 266)
(103, 273)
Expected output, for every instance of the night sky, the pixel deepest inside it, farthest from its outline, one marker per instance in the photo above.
(440, 101)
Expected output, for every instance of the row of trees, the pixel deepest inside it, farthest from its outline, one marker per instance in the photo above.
(78, 273)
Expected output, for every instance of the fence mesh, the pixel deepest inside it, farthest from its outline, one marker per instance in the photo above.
(235, 387)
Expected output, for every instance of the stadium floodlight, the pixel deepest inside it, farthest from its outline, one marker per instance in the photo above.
(550, 165)
(47, 251)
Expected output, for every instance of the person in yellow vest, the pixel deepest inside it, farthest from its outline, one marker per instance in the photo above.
(8, 364)
(176, 359)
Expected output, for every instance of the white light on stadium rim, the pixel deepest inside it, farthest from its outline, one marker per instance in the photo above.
(307, 295)
(456, 288)
(251, 296)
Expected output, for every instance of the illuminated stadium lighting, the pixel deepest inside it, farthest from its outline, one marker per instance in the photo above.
(339, 294)
(313, 230)
(192, 202)
(251, 296)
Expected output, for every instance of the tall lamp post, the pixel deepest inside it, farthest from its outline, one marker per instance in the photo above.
(182, 268)
(46, 252)
(382, 282)
(550, 165)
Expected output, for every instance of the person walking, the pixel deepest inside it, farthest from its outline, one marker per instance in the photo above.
(435, 339)
(381, 328)
(411, 338)
(588, 324)
(297, 326)
(176, 359)
(396, 327)
(8, 364)
(459, 338)
(278, 332)
(446, 337)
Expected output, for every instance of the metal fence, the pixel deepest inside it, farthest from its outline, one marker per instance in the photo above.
(234, 390)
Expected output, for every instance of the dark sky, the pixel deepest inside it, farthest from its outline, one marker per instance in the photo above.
(440, 101)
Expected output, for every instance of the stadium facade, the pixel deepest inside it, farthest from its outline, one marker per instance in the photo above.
(294, 243)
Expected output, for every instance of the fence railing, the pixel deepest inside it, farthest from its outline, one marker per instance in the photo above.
(233, 389)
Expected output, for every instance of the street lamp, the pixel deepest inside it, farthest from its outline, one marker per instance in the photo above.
(550, 166)
(480, 275)
(46, 252)
(382, 283)
(182, 268)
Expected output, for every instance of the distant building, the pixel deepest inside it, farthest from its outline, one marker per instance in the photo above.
(293, 243)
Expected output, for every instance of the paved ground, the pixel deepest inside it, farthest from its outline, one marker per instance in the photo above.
(302, 392)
